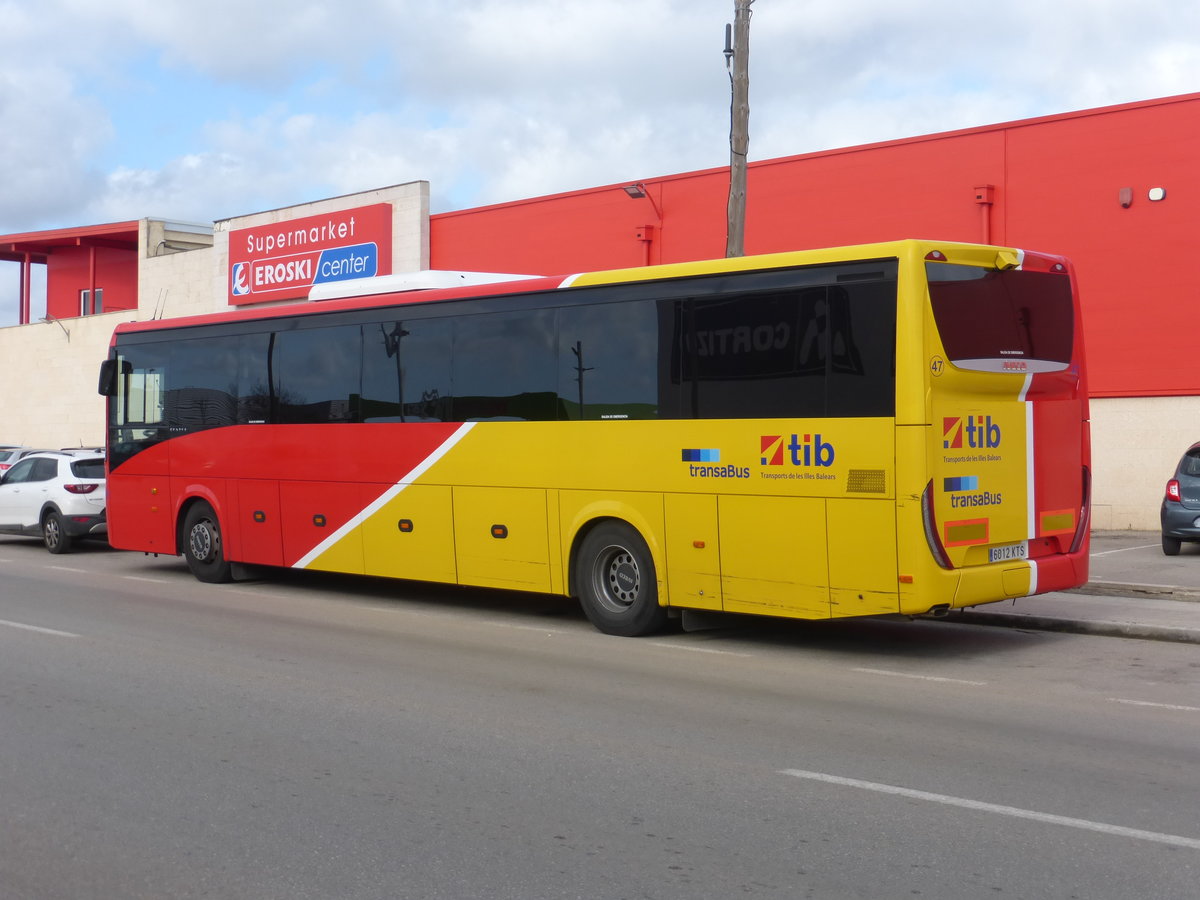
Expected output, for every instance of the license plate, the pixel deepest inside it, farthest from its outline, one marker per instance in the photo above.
(1008, 551)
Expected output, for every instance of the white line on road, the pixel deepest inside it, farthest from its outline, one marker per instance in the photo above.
(548, 632)
(38, 629)
(147, 580)
(920, 677)
(671, 646)
(1158, 705)
(68, 569)
(1123, 549)
(1016, 812)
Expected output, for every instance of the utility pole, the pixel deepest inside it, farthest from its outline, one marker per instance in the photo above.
(737, 63)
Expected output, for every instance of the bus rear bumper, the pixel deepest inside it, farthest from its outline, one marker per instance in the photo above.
(976, 585)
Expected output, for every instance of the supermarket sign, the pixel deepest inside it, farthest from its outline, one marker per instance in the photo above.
(281, 261)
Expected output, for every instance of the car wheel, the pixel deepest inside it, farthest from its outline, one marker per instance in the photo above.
(1171, 545)
(202, 545)
(54, 533)
(617, 585)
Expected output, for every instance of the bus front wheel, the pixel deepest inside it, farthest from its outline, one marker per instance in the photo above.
(202, 545)
(617, 585)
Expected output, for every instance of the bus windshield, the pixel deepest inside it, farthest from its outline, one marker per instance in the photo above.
(1002, 320)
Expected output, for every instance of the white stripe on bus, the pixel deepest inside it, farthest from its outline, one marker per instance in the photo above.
(378, 503)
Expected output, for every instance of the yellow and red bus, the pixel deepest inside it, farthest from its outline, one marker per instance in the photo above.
(894, 428)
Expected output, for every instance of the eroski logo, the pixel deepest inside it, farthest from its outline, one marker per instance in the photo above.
(241, 280)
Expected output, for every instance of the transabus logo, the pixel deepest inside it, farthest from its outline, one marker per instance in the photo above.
(803, 450)
(977, 432)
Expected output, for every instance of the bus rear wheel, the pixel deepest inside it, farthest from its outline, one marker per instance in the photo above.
(617, 585)
(202, 545)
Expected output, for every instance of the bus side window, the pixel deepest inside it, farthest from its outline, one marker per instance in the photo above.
(608, 361)
(406, 371)
(316, 374)
(504, 367)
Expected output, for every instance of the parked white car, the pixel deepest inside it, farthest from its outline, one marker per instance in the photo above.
(57, 495)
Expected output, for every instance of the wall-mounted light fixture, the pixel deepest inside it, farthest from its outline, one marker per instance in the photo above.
(639, 191)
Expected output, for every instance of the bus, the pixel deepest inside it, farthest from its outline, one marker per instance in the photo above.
(895, 428)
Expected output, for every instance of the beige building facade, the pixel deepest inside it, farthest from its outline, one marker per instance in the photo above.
(52, 366)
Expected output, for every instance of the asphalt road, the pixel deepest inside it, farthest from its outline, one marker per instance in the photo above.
(313, 737)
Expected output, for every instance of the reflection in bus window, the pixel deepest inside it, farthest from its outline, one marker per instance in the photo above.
(608, 361)
(504, 367)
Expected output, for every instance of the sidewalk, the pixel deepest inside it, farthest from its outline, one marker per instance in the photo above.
(1135, 591)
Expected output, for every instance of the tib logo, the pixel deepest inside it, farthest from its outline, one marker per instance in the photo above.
(972, 431)
(804, 450)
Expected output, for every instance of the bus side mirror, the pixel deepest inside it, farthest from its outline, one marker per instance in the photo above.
(108, 378)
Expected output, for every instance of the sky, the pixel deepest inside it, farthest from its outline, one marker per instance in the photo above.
(201, 111)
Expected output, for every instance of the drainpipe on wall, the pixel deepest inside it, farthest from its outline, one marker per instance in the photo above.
(985, 196)
(92, 279)
(26, 290)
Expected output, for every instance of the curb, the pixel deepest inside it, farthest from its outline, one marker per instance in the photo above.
(1078, 626)
(1119, 589)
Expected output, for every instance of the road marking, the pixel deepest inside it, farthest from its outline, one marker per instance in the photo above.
(38, 629)
(1123, 549)
(1157, 705)
(68, 569)
(1014, 811)
(919, 677)
(147, 580)
(548, 632)
(690, 649)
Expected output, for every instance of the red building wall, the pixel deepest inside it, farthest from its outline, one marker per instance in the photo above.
(69, 272)
(1056, 187)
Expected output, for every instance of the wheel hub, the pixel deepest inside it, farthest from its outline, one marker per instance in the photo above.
(623, 579)
(201, 542)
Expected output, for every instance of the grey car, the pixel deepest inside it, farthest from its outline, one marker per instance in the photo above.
(1181, 504)
(10, 454)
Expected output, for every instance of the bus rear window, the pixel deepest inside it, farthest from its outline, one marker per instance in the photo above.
(1002, 320)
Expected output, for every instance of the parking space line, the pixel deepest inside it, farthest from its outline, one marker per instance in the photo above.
(1123, 549)
(68, 569)
(38, 629)
(1014, 811)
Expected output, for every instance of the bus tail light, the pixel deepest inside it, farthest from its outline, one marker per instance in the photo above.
(1173, 490)
(1085, 512)
(929, 520)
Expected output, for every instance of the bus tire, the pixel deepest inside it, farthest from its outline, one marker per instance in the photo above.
(617, 585)
(203, 547)
(54, 533)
